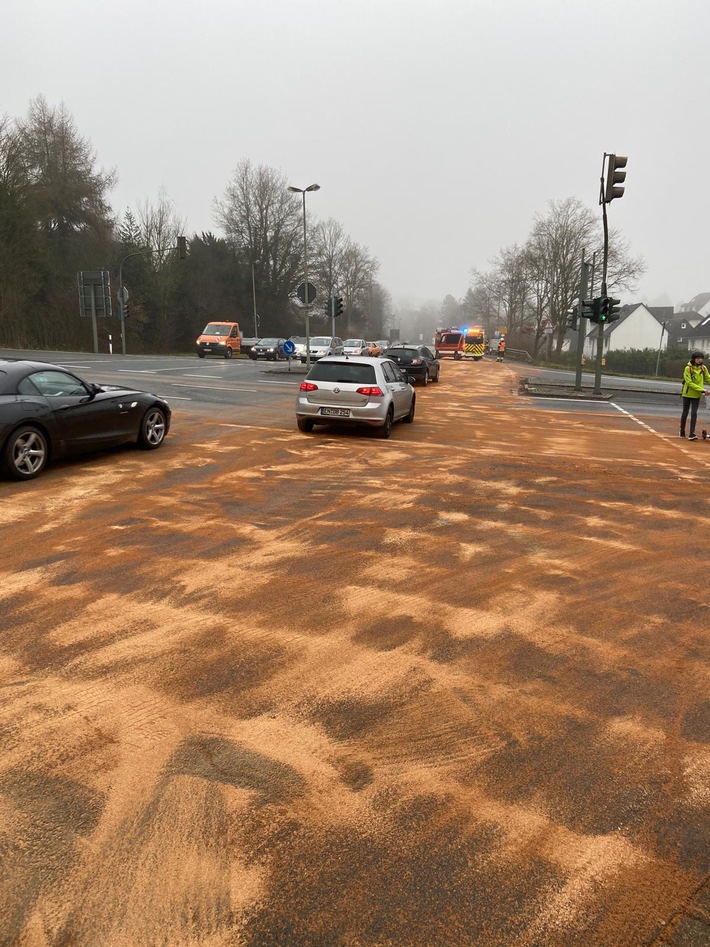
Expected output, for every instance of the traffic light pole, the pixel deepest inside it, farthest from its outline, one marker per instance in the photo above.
(581, 324)
(605, 260)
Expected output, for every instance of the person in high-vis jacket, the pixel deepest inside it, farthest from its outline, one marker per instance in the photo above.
(695, 377)
(501, 350)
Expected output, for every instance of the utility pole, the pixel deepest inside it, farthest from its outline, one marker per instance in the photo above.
(609, 189)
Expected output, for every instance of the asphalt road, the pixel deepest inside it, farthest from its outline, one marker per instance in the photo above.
(267, 688)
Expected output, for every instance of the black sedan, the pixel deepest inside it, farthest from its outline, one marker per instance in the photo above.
(417, 360)
(47, 412)
(270, 349)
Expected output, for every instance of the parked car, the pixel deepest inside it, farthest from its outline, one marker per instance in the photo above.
(270, 349)
(417, 360)
(48, 412)
(322, 345)
(355, 347)
(355, 390)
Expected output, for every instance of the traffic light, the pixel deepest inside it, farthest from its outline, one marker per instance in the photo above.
(182, 248)
(572, 319)
(328, 306)
(609, 309)
(125, 309)
(590, 309)
(615, 176)
(338, 305)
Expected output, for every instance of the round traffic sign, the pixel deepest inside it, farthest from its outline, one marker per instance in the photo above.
(289, 347)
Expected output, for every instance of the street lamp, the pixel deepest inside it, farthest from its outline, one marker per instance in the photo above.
(304, 191)
(253, 290)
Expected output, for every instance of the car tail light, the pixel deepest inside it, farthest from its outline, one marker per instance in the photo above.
(308, 386)
(417, 361)
(371, 392)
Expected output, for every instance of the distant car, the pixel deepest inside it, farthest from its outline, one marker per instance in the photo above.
(48, 412)
(382, 344)
(270, 349)
(323, 345)
(417, 360)
(355, 390)
(355, 347)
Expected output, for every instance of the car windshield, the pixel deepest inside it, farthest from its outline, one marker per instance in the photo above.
(321, 340)
(407, 353)
(214, 329)
(297, 339)
(269, 342)
(349, 373)
(353, 342)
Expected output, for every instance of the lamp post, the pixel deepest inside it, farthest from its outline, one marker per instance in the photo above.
(253, 290)
(304, 191)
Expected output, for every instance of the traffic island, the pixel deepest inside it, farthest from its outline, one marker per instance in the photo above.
(535, 389)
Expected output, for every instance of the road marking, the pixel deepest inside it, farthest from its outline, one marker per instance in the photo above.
(637, 420)
(138, 371)
(176, 384)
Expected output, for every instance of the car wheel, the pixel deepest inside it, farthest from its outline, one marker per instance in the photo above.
(228, 353)
(200, 354)
(436, 377)
(408, 418)
(26, 453)
(304, 425)
(425, 379)
(153, 429)
(386, 428)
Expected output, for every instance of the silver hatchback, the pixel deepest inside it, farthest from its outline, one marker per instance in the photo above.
(341, 389)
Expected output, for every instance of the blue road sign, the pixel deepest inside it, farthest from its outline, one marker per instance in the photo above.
(289, 347)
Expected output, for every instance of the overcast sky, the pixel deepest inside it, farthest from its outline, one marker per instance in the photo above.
(437, 129)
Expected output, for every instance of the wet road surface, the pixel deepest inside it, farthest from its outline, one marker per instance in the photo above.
(263, 688)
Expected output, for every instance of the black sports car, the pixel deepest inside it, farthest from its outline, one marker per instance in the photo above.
(46, 412)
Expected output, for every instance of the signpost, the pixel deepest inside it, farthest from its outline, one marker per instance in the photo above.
(94, 298)
(289, 350)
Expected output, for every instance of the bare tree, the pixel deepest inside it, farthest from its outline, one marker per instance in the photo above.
(263, 223)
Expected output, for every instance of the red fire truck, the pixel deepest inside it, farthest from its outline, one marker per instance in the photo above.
(467, 342)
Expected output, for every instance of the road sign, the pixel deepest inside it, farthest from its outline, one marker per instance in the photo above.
(289, 347)
(301, 293)
(94, 293)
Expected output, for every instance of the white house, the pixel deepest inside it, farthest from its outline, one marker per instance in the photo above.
(698, 305)
(638, 327)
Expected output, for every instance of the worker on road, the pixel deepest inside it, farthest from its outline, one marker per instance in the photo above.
(501, 350)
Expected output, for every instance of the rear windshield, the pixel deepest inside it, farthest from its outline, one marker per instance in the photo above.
(344, 372)
(407, 353)
(451, 338)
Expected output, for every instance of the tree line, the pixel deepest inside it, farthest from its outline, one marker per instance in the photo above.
(56, 220)
(531, 288)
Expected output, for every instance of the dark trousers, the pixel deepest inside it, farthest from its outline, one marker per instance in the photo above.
(689, 404)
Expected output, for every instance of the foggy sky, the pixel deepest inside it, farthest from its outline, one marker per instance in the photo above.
(436, 129)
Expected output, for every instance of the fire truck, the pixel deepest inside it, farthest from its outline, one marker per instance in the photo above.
(467, 342)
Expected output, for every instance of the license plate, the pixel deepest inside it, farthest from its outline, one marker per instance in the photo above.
(336, 412)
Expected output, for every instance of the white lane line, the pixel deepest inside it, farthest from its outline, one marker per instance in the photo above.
(176, 384)
(638, 420)
(568, 400)
(138, 371)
